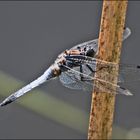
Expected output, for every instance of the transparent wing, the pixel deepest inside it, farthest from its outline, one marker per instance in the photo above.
(94, 43)
(127, 72)
(77, 79)
(126, 33)
(72, 79)
(103, 86)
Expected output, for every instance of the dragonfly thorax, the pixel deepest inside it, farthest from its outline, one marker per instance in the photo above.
(71, 57)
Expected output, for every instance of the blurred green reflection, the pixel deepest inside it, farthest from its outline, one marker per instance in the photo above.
(56, 110)
(46, 105)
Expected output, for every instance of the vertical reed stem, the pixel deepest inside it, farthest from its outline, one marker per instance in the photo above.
(110, 41)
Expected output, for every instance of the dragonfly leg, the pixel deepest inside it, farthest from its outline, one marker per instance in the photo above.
(81, 70)
(82, 78)
(90, 68)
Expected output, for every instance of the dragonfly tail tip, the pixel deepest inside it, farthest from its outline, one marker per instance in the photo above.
(5, 102)
(2, 104)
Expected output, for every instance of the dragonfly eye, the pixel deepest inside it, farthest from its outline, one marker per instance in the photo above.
(90, 53)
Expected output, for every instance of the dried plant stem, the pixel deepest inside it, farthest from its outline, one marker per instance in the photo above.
(110, 41)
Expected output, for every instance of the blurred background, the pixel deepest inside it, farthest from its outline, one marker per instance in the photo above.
(32, 34)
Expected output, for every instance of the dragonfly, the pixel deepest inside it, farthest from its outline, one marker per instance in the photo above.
(76, 68)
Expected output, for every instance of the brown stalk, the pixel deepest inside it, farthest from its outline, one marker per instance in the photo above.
(110, 42)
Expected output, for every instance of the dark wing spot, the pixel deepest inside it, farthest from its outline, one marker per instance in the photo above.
(78, 48)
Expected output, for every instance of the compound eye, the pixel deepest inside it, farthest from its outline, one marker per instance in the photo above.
(90, 53)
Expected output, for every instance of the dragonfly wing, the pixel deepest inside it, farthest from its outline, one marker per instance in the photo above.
(94, 43)
(126, 33)
(127, 72)
(106, 87)
(73, 81)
